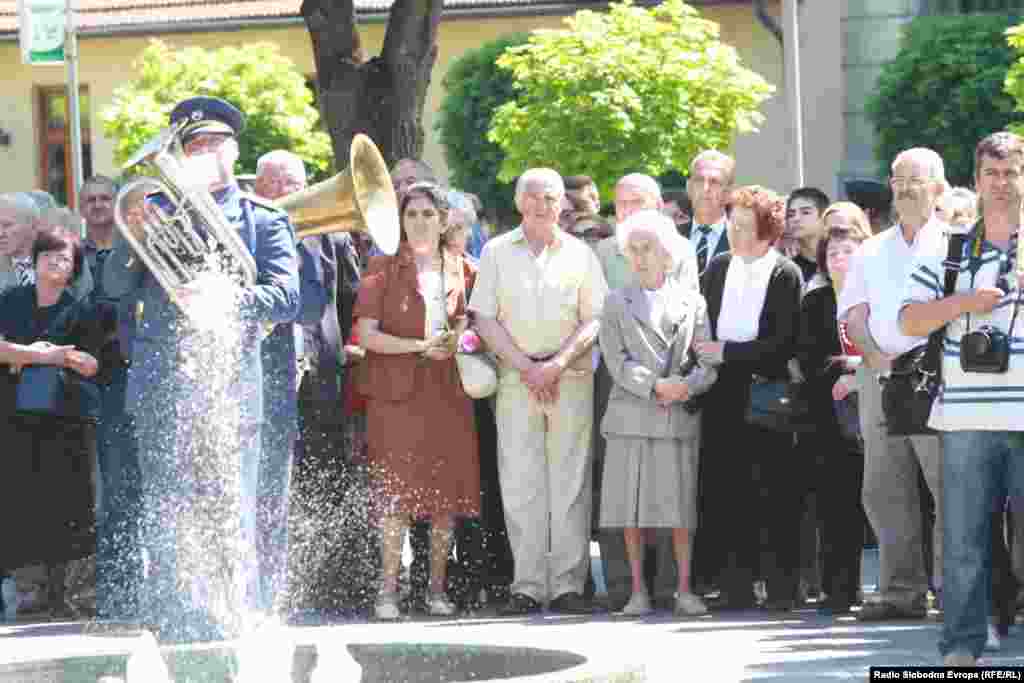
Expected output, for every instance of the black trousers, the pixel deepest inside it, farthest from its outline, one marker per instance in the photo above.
(835, 470)
(750, 499)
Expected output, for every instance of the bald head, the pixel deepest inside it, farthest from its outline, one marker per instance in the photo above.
(926, 160)
(635, 192)
(279, 173)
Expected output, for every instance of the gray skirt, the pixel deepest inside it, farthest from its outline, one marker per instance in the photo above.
(649, 483)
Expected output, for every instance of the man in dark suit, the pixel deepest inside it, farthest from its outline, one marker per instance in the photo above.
(334, 556)
(186, 430)
(711, 178)
(118, 562)
(280, 173)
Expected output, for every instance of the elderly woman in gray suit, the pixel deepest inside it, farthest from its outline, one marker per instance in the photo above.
(650, 473)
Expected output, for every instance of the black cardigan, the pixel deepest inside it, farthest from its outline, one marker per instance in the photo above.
(778, 326)
(819, 339)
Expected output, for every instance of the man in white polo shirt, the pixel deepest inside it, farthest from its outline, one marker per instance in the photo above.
(869, 305)
(979, 406)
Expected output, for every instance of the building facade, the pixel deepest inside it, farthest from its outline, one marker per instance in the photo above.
(843, 44)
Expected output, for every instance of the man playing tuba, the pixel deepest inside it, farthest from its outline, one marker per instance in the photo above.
(176, 423)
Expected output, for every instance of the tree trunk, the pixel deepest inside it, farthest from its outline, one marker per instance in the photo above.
(383, 96)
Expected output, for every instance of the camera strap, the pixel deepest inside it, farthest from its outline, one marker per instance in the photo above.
(932, 363)
(1006, 265)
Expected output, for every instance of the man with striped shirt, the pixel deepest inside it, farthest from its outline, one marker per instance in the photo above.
(977, 413)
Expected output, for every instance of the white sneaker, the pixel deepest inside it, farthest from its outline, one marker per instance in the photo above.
(639, 605)
(992, 643)
(386, 607)
(438, 605)
(689, 605)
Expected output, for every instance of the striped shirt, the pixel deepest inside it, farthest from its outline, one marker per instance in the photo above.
(974, 401)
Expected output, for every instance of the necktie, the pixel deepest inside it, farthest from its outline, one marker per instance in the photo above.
(24, 271)
(702, 248)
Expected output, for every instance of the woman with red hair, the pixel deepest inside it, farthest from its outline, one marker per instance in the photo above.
(753, 296)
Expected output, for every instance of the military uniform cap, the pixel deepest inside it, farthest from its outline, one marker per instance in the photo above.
(207, 115)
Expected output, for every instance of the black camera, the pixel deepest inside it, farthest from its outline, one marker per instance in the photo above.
(985, 350)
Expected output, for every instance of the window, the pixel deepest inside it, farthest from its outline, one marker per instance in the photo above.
(971, 6)
(54, 140)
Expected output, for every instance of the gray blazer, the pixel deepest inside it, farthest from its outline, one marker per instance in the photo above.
(631, 341)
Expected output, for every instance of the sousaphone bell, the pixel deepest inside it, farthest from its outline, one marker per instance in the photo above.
(359, 199)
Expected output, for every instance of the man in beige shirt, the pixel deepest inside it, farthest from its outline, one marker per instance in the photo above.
(538, 300)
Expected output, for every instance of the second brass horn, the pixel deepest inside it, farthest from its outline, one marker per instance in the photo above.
(359, 199)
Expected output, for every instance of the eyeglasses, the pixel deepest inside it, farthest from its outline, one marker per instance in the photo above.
(908, 183)
(204, 142)
(58, 258)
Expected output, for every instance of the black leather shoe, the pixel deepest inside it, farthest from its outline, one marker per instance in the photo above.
(518, 605)
(571, 603)
(731, 601)
(778, 605)
(834, 607)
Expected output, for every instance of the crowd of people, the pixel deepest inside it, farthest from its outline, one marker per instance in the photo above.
(677, 381)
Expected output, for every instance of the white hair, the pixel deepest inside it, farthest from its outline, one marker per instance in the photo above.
(22, 204)
(658, 225)
(544, 176)
(642, 183)
(285, 159)
(929, 158)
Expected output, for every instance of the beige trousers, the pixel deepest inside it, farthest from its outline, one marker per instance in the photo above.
(892, 499)
(544, 466)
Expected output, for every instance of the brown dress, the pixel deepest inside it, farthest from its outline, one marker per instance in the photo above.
(420, 432)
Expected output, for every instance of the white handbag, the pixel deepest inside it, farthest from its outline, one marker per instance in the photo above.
(478, 372)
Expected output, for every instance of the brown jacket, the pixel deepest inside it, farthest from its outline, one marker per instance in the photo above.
(390, 294)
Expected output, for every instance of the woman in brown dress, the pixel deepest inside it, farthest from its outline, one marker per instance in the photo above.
(422, 443)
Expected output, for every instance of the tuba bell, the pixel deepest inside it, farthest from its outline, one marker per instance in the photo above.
(174, 225)
(359, 199)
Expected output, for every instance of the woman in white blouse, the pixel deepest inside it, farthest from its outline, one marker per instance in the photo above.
(747, 479)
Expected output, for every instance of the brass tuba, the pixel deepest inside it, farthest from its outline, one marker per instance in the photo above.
(359, 199)
(178, 235)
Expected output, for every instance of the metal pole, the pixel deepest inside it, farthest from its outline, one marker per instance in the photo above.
(791, 50)
(74, 118)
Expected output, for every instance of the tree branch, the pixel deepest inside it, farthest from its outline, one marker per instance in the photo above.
(412, 30)
(767, 20)
(332, 30)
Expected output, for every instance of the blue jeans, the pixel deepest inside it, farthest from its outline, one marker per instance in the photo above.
(979, 467)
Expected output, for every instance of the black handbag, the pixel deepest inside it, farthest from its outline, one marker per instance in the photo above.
(780, 406)
(910, 389)
(51, 391)
(848, 416)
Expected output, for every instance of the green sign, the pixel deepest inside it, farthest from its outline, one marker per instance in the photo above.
(42, 25)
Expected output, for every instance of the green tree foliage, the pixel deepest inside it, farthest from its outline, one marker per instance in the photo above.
(627, 90)
(1014, 85)
(257, 79)
(474, 88)
(944, 90)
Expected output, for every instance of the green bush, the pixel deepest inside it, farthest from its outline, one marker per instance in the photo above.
(257, 79)
(944, 90)
(630, 89)
(474, 88)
